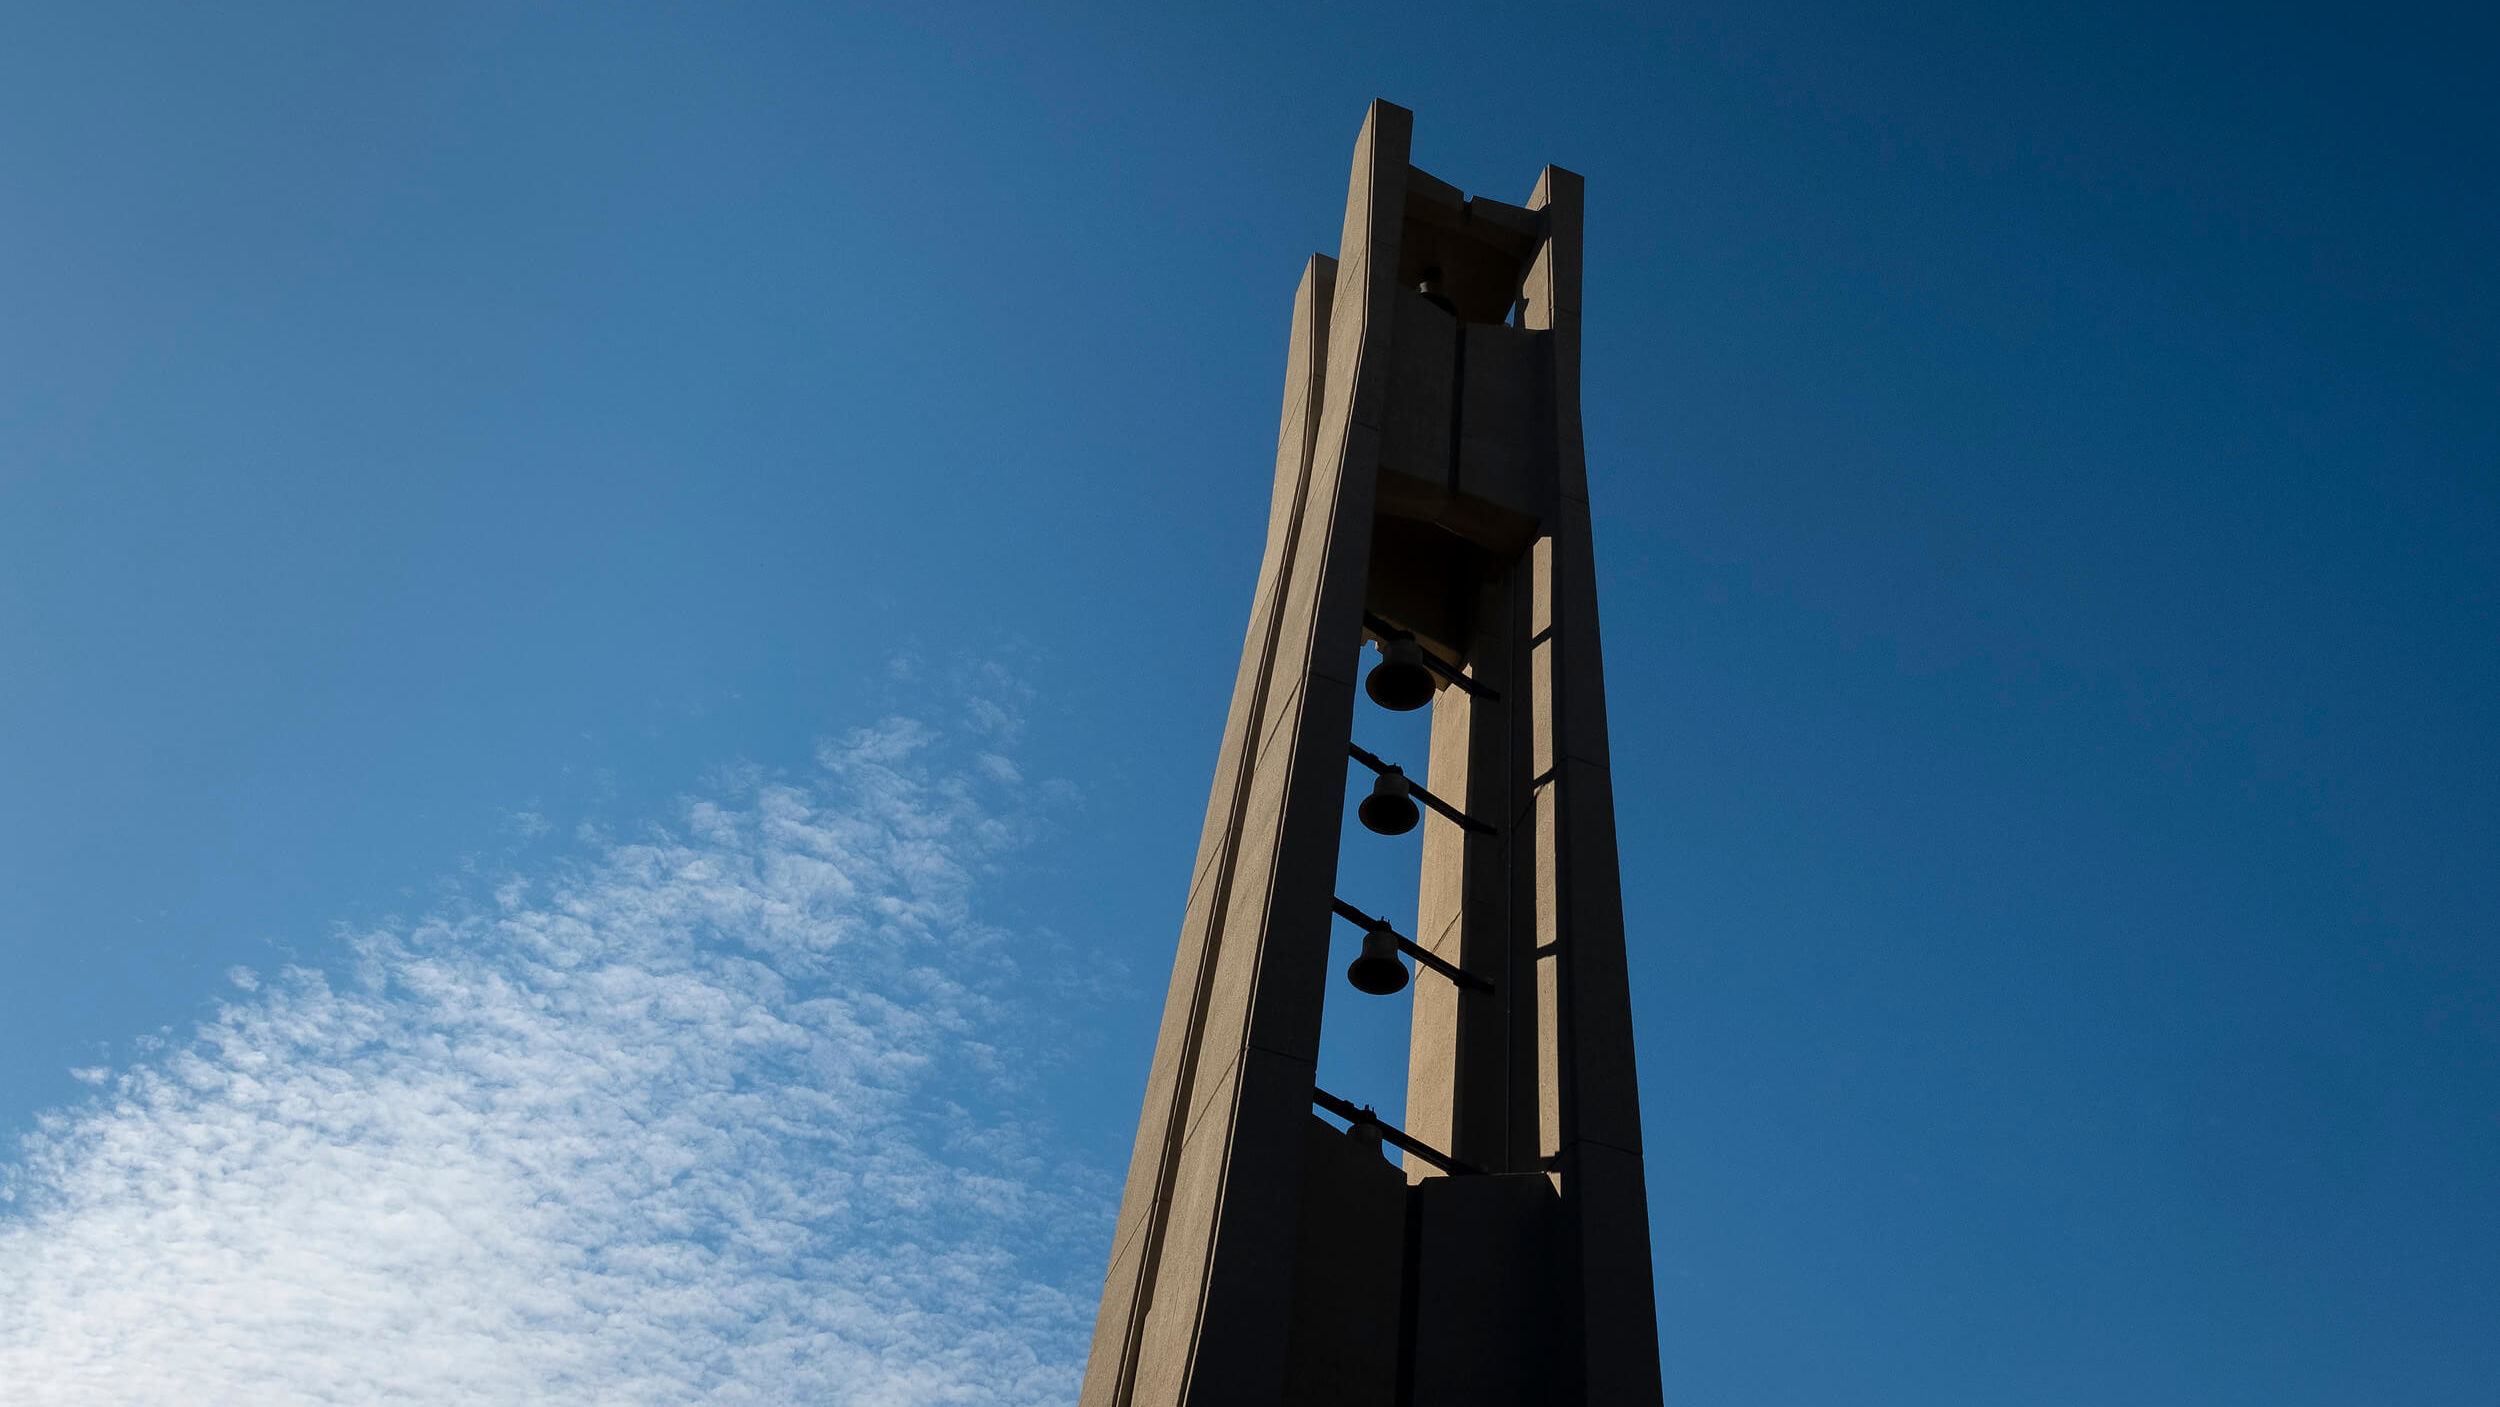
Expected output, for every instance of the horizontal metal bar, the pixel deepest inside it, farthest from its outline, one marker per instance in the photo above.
(1360, 918)
(1443, 966)
(1413, 949)
(1362, 1114)
(1465, 821)
(1433, 662)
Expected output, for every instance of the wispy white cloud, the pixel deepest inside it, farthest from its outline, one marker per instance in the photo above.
(723, 1115)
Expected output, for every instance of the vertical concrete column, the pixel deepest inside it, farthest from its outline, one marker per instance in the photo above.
(1196, 1306)
(1518, 879)
(1434, 1062)
(1589, 1099)
(1465, 1080)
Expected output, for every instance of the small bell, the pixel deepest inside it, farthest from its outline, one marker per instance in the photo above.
(1378, 971)
(1430, 287)
(1366, 1135)
(1390, 809)
(1400, 682)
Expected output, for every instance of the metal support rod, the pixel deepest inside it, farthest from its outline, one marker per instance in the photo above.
(1465, 821)
(1362, 1114)
(1413, 949)
(1433, 662)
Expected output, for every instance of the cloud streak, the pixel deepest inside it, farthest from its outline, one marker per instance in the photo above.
(723, 1115)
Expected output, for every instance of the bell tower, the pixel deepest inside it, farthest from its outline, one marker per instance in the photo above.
(1430, 508)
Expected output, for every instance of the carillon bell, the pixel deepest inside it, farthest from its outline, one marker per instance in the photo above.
(1435, 292)
(1366, 1133)
(1390, 809)
(1378, 970)
(1400, 682)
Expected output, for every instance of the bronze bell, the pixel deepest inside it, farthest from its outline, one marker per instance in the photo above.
(1378, 970)
(1400, 682)
(1366, 1134)
(1434, 293)
(1390, 809)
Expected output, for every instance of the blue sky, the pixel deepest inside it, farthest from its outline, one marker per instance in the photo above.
(694, 557)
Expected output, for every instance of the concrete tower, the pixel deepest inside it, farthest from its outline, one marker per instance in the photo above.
(1431, 504)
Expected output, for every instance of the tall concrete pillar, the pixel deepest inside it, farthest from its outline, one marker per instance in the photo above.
(1431, 495)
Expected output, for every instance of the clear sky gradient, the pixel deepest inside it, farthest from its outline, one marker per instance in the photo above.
(766, 497)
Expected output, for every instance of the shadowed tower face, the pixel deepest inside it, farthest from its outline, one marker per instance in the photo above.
(1431, 513)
